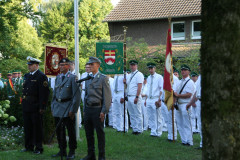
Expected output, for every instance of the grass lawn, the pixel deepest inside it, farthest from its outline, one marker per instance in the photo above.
(120, 146)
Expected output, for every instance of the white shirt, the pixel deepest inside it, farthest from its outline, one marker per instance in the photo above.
(52, 79)
(120, 84)
(73, 72)
(132, 83)
(111, 84)
(189, 88)
(1, 84)
(176, 82)
(144, 90)
(157, 85)
(198, 87)
(32, 73)
(84, 75)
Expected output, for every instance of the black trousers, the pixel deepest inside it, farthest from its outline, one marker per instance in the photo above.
(33, 130)
(68, 123)
(91, 122)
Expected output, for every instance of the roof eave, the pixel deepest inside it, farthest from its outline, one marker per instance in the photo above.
(144, 19)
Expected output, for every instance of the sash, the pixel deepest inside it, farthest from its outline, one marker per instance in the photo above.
(11, 85)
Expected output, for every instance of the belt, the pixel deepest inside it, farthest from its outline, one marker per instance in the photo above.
(94, 104)
(84, 89)
(131, 96)
(118, 91)
(153, 97)
(29, 97)
(63, 100)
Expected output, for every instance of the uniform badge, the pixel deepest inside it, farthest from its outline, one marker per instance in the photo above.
(45, 83)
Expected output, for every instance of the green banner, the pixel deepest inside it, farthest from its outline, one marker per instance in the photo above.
(111, 56)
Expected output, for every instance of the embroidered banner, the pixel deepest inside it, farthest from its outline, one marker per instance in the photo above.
(52, 57)
(111, 56)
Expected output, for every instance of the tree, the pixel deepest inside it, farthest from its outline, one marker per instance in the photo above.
(58, 25)
(24, 42)
(220, 79)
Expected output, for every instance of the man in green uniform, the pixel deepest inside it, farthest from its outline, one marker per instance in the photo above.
(9, 84)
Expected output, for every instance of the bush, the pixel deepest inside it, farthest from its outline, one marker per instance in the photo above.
(48, 121)
(11, 138)
(4, 117)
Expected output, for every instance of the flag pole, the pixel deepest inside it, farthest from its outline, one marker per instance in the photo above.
(76, 60)
(125, 85)
(169, 26)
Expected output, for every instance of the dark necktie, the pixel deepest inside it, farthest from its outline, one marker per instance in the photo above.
(63, 78)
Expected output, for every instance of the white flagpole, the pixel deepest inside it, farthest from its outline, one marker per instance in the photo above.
(76, 59)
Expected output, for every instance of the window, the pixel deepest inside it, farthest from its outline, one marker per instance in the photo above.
(196, 29)
(178, 31)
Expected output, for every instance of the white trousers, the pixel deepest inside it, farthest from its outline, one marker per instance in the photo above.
(199, 120)
(145, 116)
(183, 118)
(119, 110)
(164, 112)
(80, 116)
(170, 126)
(135, 113)
(154, 117)
(111, 116)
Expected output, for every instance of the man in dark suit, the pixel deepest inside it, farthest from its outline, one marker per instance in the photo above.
(97, 102)
(34, 101)
(65, 102)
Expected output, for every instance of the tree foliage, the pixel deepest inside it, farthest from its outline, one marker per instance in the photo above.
(18, 39)
(57, 25)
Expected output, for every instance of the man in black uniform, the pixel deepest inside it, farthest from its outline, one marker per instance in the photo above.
(34, 100)
(97, 103)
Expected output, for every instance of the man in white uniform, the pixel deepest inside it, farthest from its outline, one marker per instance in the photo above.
(194, 77)
(118, 106)
(154, 95)
(134, 86)
(144, 108)
(72, 70)
(197, 98)
(184, 93)
(169, 119)
(111, 112)
(84, 75)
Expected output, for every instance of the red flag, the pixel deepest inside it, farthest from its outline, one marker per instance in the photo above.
(168, 73)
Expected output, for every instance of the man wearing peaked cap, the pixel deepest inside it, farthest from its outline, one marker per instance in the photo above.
(194, 76)
(144, 108)
(32, 60)
(175, 71)
(133, 62)
(65, 103)
(97, 102)
(34, 101)
(183, 95)
(185, 67)
(93, 60)
(134, 86)
(154, 100)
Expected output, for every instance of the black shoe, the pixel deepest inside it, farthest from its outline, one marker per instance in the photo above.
(101, 158)
(186, 144)
(169, 140)
(38, 151)
(89, 157)
(153, 136)
(200, 148)
(59, 154)
(26, 150)
(137, 133)
(71, 154)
